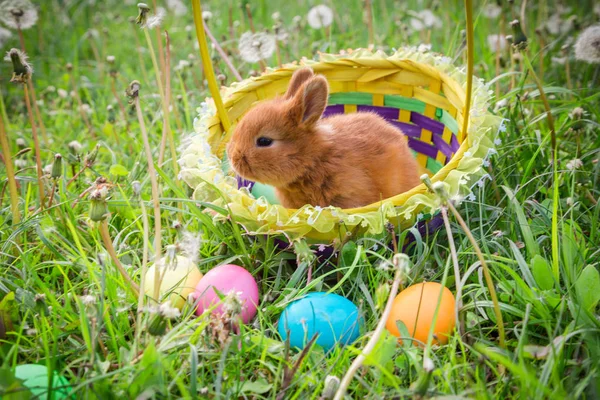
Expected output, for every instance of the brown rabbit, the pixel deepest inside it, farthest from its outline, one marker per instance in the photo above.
(346, 160)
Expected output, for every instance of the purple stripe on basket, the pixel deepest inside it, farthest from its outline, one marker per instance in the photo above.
(408, 129)
(442, 145)
(427, 123)
(241, 182)
(423, 148)
(333, 109)
(454, 145)
(385, 112)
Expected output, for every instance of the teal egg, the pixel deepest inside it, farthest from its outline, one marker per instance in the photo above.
(266, 191)
(35, 378)
(336, 319)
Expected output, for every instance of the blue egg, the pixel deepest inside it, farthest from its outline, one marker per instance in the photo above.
(335, 318)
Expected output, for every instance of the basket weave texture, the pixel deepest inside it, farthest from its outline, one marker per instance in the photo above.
(421, 93)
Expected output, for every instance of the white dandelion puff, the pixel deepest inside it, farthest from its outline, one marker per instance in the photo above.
(587, 47)
(5, 34)
(18, 14)
(177, 7)
(492, 11)
(256, 46)
(155, 20)
(167, 311)
(574, 164)
(497, 43)
(425, 19)
(320, 16)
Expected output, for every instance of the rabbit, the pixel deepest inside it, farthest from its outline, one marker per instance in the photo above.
(346, 161)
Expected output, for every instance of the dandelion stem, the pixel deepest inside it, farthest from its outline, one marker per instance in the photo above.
(36, 143)
(456, 268)
(113, 255)
(540, 87)
(402, 261)
(10, 175)
(486, 273)
(168, 101)
(222, 53)
(154, 183)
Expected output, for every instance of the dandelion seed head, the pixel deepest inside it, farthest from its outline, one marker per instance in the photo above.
(320, 16)
(492, 11)
(177, 7)
(5, 34)
(587, 47)
(425, 19)
(574, 164)
(18, 14)
(256, 46)
(155, 20)
(497, 43)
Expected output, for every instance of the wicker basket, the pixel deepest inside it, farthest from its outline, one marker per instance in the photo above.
(419, 92)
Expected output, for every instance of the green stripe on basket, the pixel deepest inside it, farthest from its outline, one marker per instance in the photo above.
(448, 121)
(404, 103)
(357, 98)
(433, 165)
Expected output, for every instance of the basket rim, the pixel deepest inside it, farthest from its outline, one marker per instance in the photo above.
(481, 124)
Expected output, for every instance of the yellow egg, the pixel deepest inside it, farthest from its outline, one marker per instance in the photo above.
(415, 307)
(179, 279)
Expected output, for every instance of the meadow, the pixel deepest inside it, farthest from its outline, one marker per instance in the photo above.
(64, 303)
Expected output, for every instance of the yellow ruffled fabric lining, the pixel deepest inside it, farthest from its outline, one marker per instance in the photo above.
(202, 170)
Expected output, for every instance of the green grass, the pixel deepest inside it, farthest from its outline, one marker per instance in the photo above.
(537, 223)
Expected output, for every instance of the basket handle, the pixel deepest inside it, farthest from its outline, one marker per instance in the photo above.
(213, 86)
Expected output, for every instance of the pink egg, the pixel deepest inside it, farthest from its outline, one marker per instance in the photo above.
(227, 278)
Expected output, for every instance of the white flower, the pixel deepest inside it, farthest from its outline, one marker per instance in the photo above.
(570, 201)
(206, 15)
(497, 141)
(167, 311)
(492, 11)
(256, 46)
(497, 43)
(177, 7)
(486, 163)
(420, 216)
(62, 93)
(18, 14)
(471, 197)
(425, 19)
(322, 247)
(320, 16)
(574, 164)
(587, 47)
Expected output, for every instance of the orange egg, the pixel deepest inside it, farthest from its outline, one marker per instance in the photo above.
(415, 307)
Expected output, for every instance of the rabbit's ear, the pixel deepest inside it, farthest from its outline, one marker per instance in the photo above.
(314, 99)
(298, 78)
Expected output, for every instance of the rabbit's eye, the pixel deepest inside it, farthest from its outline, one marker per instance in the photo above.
(264, 142)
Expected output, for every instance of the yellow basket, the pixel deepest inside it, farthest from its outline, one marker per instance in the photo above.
(420, 92)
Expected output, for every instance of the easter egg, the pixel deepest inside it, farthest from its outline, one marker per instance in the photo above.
(266, 191)
(335, 318)
(415, 307)
(35, 378)
(226, 279)
(179, 279)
